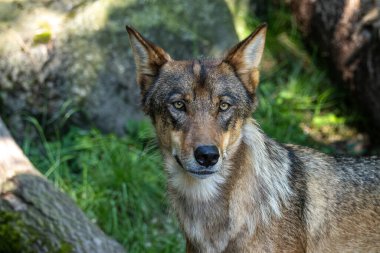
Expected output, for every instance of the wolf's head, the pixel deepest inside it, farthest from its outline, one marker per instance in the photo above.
(198, 107)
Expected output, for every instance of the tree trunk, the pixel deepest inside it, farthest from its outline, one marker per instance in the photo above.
(347, 34)
(37, 217)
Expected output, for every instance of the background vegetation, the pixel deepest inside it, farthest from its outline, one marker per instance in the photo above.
(119, 181)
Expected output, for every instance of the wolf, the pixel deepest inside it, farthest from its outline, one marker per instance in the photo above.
(232, 188)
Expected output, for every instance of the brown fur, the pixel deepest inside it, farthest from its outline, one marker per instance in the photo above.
(260, 196)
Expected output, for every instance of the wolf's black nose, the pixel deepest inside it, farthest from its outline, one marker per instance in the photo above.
(206, 155)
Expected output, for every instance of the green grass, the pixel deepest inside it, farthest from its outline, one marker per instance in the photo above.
(119, 181)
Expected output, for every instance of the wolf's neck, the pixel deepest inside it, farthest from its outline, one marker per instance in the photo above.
(267, 172)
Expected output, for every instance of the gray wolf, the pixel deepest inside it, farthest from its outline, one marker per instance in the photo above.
(233, 188)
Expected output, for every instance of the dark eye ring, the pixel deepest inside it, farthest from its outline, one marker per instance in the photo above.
(179, 105)
(224, 106)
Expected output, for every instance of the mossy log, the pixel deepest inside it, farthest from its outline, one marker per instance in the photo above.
(37, 217)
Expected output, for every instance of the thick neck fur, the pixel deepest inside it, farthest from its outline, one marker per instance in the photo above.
(248, 193)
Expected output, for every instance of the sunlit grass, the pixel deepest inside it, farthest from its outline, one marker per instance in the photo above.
(297, 101)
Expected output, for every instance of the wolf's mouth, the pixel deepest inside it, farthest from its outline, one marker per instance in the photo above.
(201, 172)
(178, 161)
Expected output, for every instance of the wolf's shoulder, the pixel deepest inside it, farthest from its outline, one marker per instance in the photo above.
(347, 170)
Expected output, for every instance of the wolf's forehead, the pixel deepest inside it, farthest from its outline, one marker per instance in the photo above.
(195, 74)
(204, 69)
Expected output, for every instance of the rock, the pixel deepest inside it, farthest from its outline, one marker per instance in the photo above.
(71, 59)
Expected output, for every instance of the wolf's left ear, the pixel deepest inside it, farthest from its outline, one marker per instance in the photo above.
(149, 58)
(245, 58)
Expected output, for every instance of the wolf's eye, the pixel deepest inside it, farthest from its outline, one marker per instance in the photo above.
(224, 106)
(179, 105)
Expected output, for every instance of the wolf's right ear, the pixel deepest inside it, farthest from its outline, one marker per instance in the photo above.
(148, 59)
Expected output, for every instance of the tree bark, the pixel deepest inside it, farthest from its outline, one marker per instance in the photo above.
(37, 217)
(347, 35)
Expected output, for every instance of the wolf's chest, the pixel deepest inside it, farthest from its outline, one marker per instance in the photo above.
(210, 232)
(212, 227)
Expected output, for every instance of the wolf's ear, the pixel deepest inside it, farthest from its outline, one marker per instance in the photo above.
(148, 59)
(245, 58)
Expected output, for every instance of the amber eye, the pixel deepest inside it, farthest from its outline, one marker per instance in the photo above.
(179, 105)
(224, 106)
